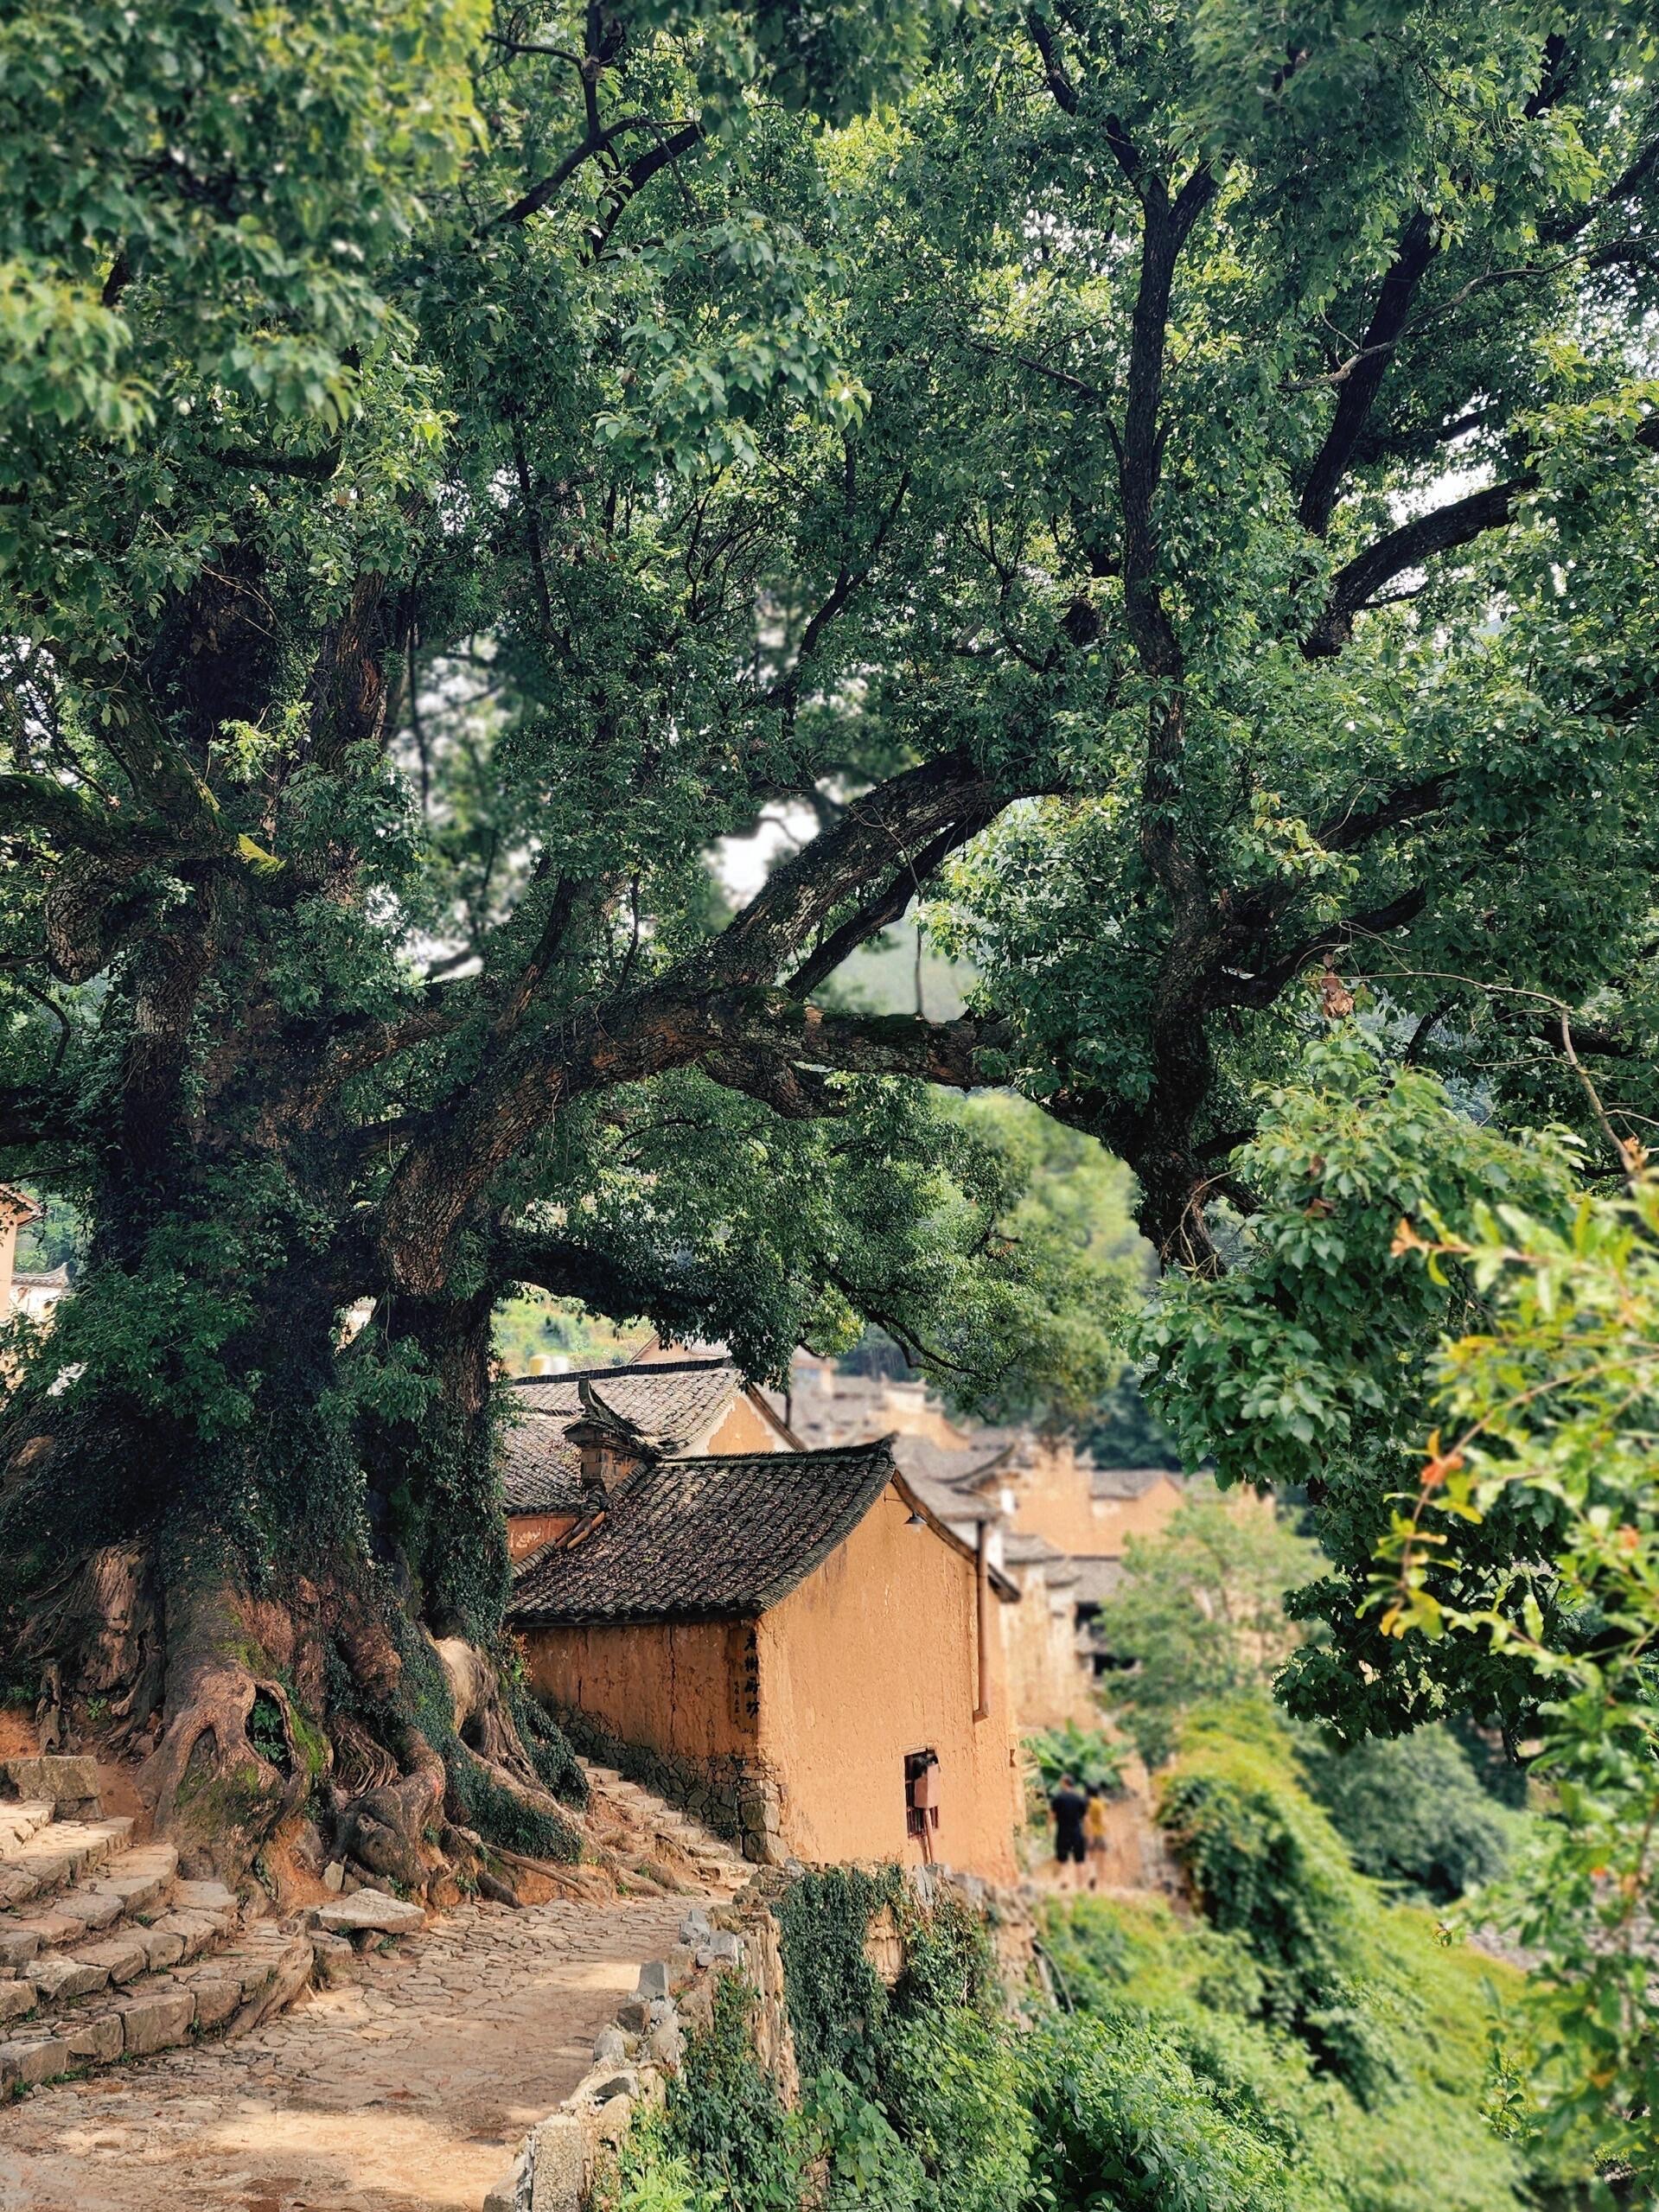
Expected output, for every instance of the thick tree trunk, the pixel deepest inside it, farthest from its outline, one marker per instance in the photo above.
(298, 1622)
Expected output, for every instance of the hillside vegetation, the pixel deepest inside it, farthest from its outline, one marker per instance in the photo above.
(1300, 2042)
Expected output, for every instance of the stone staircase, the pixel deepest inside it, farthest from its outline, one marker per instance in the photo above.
(636, 1825)
(105, 1952)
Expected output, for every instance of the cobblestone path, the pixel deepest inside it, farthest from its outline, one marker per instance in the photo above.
(403, 2093)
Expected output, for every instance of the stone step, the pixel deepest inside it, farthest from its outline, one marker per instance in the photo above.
(57, 1854)
(100, 1940)
(133, 1885)
(227, 1994)
(19, 1822)
(714, 1858)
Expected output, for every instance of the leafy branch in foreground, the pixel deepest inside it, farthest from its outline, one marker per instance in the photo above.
(1558, 1396)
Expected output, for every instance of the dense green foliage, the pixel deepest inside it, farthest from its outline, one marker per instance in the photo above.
(838, 2005)
(1267, 1866)
(1199, 1617)
(1176, 2079)
(1309, 1366)
(1333, 2025)
(1199, 1614)
(1156, 484)
(1239, 2090)
(1088, 1755)
(725, 2116)
(1555, 1400)
(1412, 1268)
(1413, 1811)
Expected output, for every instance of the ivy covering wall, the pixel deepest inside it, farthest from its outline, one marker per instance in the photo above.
(1299, 2043)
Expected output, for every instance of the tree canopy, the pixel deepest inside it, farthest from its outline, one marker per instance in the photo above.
(1156, 486)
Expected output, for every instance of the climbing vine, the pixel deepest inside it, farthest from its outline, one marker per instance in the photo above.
(838, 2005)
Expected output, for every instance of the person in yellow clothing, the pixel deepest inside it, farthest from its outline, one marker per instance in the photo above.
(1095, 1835)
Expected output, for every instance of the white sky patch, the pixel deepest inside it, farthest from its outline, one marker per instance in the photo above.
(743, 863)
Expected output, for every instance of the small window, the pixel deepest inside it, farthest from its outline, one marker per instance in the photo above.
(921, 1793)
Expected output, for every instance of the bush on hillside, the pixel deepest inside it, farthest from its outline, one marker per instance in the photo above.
(1267, 1864)
(725, 2119)
(837, 2002)
(1088, 1755)
(1196, 2069)
(1121, 2120)
(1425, 2146)
(1413, 1812)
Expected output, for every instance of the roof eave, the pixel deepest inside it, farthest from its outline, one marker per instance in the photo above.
(1005, 1590)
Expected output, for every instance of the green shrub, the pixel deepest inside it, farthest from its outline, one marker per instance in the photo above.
(1122, 2120)
(1413, 1811)
(725, 2119)
(838, 2006)
(1267, 1864)
(1425, 2146)
(865, 2162)
(648, 2175)
(1088, 1755)
(929, 2063)
(1101, 1950)
(552, 1753)
(500, 1817)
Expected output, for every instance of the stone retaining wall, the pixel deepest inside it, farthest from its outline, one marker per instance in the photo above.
(557, 2162)
(739, 1799)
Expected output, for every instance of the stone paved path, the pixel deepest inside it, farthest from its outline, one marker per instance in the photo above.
(403, 2094)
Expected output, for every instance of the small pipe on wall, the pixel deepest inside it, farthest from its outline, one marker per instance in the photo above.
(981, 1624)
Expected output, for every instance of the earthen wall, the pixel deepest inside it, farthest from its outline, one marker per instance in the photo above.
(872, 1658)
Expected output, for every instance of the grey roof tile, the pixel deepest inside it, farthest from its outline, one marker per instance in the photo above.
(1022, 1547)
(721, 1537)
(1126, 1482)
(541, 1469)
(921, 1457)
(670, 1401)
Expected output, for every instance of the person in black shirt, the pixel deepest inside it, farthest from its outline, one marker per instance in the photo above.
(1068, 1805)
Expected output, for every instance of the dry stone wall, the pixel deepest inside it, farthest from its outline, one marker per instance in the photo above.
(557, 2163)
(741, 1799)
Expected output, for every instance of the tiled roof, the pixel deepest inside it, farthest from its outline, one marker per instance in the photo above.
(670, 1401)
(946, 1503)
(1023, 1547)
(1097, 1578)
(1055, 1569)
(921, 1457)
(853, 1411)
(722, 1537)
(541, 1469)
(17, 1206)
(1126, 1482)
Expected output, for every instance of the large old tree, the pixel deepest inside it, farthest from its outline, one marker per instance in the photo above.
(1162, 482)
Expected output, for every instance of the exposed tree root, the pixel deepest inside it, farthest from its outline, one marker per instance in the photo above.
(216, 1792)
(97, 1635)
(485, 1725)
(393, 1831)
(224, 1701)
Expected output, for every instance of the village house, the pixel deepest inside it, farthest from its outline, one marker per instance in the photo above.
(16, 1211)
(790, 1642)
(24, 1296)
(1058, 1525)
(680, 1406)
